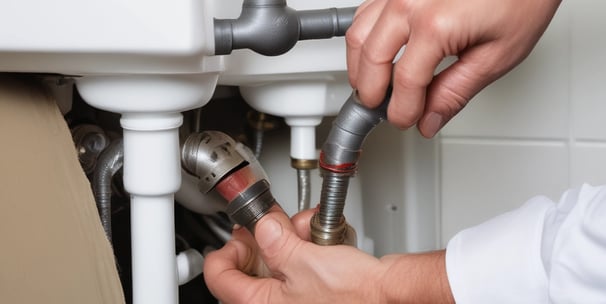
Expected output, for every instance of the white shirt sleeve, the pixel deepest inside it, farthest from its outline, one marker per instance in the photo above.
(540, 253)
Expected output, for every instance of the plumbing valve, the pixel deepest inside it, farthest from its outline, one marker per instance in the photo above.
(232, 170)
(271, 28)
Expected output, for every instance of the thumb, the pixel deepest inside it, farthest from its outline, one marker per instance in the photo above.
(277, 240)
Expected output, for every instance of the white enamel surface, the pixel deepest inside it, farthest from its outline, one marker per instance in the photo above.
(85, 36)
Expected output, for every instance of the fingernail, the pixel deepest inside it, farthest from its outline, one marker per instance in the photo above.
(268, 233)
(236, 227)
(433, 123)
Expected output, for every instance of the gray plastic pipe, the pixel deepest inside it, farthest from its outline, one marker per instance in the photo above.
(109, 162)
(271, 27)
(338, 162)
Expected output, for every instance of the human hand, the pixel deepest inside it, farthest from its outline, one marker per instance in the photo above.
(489, 38)
(278, 266)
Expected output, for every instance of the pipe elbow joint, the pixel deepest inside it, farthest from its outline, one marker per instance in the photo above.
(210, 156)
(227, 166)
(344, 142)
(272, 28)
(269, 31)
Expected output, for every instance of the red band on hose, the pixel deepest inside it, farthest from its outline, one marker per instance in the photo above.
(338, 168)
(234, 184)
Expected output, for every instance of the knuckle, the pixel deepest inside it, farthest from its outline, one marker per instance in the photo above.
(401, 5)
(405, 79)
(439, 25)
(403, 116)
(374, 55)
(354, 38)
(456, 101)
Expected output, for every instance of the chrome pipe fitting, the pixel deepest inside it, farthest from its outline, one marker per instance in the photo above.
(251, 205)
(230, 169)
(210, 155)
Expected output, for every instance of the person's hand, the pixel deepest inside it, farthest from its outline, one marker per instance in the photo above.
(488, 37)
(278, 266)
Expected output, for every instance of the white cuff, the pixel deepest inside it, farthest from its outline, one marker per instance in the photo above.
(499, 261)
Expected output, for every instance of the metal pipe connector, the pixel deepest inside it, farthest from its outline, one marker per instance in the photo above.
(338, 163)
(251, 204)
(90, 141)
(210, 155)
(218, 161)
(271, 27)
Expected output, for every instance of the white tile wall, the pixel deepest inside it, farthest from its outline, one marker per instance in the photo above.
(481, 178)
(588, 163)
(588, 68)
(531, 101)
(539, 130)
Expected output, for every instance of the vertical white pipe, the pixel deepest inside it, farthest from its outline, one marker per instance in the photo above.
(153, 250)
(303, 137)
(303, 148)
(152, 175)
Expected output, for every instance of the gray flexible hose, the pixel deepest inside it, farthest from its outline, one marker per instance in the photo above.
(304, 188)
(258, 143)
(338, 162)
(109, 162)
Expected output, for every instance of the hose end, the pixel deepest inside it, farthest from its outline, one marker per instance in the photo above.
(341, 234)
(251, 205)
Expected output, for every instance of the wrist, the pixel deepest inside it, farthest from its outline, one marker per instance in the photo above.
(415, 278)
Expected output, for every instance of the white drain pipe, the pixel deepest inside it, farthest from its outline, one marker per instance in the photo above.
(151, 175)
(150, 106)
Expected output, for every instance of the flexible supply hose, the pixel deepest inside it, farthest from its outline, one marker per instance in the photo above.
(109, 162)
(304, 188)
(338, 163)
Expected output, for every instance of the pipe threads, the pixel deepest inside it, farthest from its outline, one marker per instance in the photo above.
(251, 205)
(328, 225)
(327, 236)
(334, 192)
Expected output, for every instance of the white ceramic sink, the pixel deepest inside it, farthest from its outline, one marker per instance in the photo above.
(80, 37)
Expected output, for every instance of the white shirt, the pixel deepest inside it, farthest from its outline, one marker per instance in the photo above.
(542, 252)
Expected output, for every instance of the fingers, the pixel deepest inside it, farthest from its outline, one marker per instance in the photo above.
(364, 20)
(301, 221)
(225, 279)
(277, 241)
(387, 37)
(451, 90)
(412, 74)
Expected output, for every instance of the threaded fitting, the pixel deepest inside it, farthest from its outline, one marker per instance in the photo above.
(328, 225)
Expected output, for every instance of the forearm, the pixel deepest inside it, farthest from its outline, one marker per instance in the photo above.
(416, 278)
